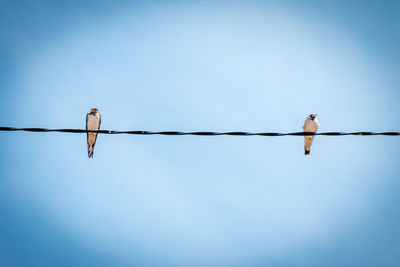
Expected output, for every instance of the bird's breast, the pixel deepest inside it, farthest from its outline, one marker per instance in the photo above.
(93, 122)
(311, 126)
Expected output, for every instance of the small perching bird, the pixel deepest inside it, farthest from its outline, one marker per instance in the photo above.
(93, 121)
(310, 125)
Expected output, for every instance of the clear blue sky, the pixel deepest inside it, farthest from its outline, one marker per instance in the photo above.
(207, 66)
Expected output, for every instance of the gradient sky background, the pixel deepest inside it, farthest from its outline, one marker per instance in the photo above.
(187, 200)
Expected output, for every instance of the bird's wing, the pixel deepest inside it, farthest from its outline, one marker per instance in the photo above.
(87, 134)
(98, 128)
(99, 122)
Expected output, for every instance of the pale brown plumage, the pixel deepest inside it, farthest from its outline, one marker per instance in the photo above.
(311, 125)
(93, 121)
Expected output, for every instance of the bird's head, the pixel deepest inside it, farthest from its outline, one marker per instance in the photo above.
(94, 110)
(312, 116)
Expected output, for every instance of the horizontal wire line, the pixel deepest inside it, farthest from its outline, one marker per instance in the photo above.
(13, 129)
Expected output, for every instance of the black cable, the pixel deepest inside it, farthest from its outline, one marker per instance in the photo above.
(13, 129)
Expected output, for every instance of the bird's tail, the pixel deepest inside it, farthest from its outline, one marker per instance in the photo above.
(90, 151)
(307, 144)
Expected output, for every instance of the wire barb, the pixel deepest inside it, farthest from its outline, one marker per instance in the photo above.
(13, 129)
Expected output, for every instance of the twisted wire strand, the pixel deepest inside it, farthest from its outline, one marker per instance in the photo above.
(207, 133)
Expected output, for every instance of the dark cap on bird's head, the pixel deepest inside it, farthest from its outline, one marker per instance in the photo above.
(313, 116)
(93, 110)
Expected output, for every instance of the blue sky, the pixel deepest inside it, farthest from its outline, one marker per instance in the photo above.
(206, 66)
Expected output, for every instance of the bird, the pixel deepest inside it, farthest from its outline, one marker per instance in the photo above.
(93, 121)
(310, 125)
